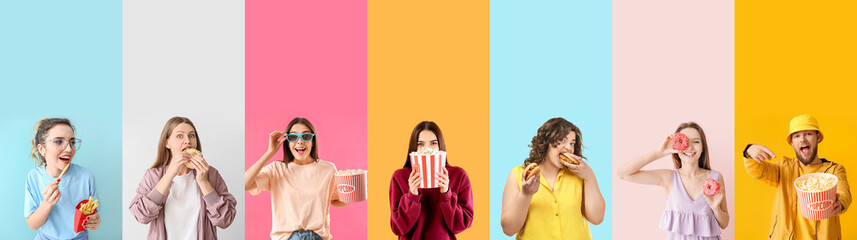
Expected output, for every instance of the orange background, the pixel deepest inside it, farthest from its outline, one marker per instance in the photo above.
(427, 61)
(792, 58)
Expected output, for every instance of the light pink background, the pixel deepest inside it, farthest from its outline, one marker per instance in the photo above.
(672, 63)
(307, 59)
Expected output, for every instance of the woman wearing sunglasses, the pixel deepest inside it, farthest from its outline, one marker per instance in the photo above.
(301, 185)
(429, 213)
(181, 196)
(50, 201)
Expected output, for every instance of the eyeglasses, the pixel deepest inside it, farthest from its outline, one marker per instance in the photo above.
(306, 137)
(61, 143)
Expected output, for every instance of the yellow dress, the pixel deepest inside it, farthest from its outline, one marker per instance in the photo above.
(555, 213)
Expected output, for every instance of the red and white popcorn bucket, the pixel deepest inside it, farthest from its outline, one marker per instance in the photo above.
(428, 165)
(351, 186)
(817, 204)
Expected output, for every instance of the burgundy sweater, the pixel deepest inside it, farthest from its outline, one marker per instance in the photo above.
(430, 215)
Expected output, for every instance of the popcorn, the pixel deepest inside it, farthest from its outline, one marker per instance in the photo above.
(349, 172)
(816, 183)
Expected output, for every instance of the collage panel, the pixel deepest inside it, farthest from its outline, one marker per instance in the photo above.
(428, 73)
(306, 71)
(183, 89)
(61, 86)
(550, 79)
(673, 70)
(793, 88)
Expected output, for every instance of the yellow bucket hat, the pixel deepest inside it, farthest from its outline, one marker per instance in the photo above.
(801, 123)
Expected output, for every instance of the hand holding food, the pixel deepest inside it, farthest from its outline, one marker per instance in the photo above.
(51, 194)
(531, 170)
(192, 152)
(710, 187)
(414, 182)
(680, 141)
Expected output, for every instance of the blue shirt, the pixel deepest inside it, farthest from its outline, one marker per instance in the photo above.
(76, 185)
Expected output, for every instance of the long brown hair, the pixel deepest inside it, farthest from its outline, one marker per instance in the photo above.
(415, 136)
(287, 153)
(549, 135)
(703, 157)
(40, 132)
(164, 154)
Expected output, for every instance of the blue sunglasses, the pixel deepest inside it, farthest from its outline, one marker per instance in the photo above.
(306, 137)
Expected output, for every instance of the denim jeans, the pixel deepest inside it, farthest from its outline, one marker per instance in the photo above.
(304, 235)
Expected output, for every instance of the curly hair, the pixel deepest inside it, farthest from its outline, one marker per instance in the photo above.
(549, 135)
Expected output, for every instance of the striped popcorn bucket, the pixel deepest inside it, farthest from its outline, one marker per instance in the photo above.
(428, 165)
(351, 188)
(816, 205)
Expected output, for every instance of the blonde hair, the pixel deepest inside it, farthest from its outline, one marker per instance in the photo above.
(40, 132)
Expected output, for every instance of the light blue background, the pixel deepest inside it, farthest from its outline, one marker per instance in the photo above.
(550, 59)
(61, 59)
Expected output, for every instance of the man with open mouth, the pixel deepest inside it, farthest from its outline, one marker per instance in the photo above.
(787, 222)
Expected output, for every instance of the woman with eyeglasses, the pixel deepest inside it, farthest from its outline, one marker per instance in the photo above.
(181, 196)
(50, 201)
(429, 213)
(301, 185)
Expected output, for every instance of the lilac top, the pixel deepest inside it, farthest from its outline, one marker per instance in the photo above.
(688, 219)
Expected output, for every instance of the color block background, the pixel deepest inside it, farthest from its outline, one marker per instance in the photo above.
(427, 61)
(308, 59)
(672, 63)
(786, 66)
(61, 59)
(549, 59)
(188, 61)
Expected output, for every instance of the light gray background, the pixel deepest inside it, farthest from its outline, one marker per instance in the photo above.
(183, 58)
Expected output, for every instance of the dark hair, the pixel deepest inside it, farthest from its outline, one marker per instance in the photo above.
(703, 159)
(287, 153)
(40, 132)
(164, 156)
(549, 135)
(415, 136)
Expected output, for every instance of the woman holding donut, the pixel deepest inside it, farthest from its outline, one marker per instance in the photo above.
(429, 213)
(50, 201)
(696, 207)
(181, 196)
(301, 185)
(561, 201)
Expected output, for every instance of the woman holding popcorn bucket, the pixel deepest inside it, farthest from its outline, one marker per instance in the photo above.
(554, 194)
(429, 199)
(302, 186)
(55, 187)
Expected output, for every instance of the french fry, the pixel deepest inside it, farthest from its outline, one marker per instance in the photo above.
(89, 207)
(63, 172)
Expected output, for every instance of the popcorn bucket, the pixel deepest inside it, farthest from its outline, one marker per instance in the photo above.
(816, 205)
(79, 217)
(351, 188)
(428, 165)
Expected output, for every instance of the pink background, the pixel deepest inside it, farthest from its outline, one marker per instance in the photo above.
(672, 63)
(307, 59)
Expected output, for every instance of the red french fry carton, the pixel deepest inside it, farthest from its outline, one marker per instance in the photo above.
(351, 186)
(80, 218)
(816, 204)
(428, 166)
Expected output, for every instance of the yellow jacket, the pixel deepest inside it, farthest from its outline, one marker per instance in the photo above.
(786, 220)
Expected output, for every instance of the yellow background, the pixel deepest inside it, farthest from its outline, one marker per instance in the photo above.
(427, 61)
(792, 58)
